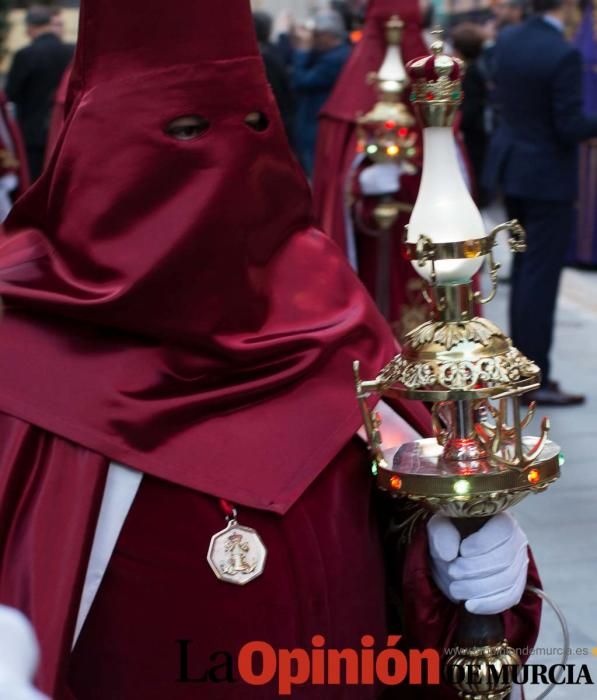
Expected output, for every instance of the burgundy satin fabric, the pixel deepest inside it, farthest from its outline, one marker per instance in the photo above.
(158, 587)
(182, 305)
(50, 494)
(324, 575)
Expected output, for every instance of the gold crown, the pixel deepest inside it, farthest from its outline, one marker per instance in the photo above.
(436, 87)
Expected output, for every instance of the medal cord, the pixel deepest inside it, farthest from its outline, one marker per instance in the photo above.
(228, 509)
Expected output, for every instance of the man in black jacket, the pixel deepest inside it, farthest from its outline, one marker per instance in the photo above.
(33, 79)
(533, 158)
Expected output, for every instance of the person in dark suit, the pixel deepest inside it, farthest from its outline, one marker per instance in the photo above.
(33, 78)
(318, 60)
(533, 157)
(467, 40)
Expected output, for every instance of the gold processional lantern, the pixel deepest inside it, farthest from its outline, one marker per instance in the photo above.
(479, 463)
(386, 134)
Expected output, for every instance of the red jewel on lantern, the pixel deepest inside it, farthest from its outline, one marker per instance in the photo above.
(390, 124)
(533, 476)
(430, 96)
(395, 482)
(403, 132)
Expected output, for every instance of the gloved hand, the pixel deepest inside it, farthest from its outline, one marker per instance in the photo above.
(380, 178)
(487, 570)
(19, 655)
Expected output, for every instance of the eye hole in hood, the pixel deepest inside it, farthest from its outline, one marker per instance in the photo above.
(187, 128)
(257, 121)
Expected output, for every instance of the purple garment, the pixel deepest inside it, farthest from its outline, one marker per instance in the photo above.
(585, 244)
(586, 42)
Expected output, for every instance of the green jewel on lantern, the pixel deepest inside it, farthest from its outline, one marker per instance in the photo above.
(461, 487)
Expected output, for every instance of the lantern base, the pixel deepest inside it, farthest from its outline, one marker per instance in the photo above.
(469, 489)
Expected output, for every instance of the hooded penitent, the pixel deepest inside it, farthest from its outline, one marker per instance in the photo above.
(170, 307)
(334, 183)
(166, 297)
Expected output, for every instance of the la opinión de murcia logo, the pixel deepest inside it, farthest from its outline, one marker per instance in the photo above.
(260, 664)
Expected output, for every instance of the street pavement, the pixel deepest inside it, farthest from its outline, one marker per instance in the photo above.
(561, 523)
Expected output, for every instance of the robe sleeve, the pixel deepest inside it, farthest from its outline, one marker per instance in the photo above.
(430, 619)
(50, 494)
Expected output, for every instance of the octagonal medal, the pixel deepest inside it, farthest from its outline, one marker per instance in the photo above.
(237, 554)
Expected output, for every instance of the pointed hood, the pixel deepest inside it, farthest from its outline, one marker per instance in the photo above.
(117, 37)
(168, 303)
(353, 94)
(133, 37)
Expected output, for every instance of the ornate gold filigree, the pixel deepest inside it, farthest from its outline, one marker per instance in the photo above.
(448, 335)
(461, 375)
(482, 506)
(441, 89)
(499, 437)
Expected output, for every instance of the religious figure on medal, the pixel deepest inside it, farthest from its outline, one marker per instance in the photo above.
(237, 554)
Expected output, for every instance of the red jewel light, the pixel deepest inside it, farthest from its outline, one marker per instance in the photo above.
(403, 131)
(396, 482)
(429, 96)
(533, 476)
(390, 125)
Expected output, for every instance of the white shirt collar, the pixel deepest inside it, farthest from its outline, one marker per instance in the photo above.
(555, 22)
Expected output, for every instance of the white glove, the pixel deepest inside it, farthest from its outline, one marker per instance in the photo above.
(381, 178)
(20, 691)
(19, 655)
(487, 569)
